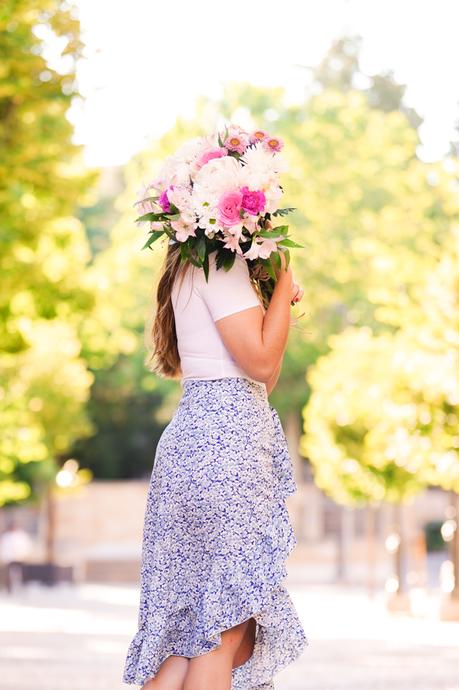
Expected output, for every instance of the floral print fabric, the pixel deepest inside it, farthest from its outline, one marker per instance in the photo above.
(217, 534)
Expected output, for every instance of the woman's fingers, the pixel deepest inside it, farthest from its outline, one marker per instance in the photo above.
(297, 292)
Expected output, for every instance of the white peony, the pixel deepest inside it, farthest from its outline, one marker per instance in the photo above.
(218, 176)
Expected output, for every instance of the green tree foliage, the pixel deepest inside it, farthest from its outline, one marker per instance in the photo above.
(44, 380)
(383, 418)
(129, 405)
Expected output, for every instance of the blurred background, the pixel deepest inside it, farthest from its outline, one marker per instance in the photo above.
(93, 95)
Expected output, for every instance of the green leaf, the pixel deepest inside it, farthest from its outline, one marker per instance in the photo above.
(225, 258)
(152, 217)
(155, 235)
(277, 259)
(147, 198)
(267, 263)
(283, 211)
(290, 243)
(194, 261)
(201, 248)
(287, 258)
(269, 233)
(184, 251)
(205, 268)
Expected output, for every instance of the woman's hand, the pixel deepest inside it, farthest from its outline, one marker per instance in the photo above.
(297, 293)
(282, 271)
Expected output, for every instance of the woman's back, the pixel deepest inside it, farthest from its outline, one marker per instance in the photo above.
(198, 305)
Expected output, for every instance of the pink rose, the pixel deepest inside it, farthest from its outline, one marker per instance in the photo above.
(209, 155)
(229, 208)
(253, 202)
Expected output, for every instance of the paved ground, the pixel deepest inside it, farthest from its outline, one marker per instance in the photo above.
(76, 639)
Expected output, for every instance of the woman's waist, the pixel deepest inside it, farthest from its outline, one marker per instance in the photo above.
(225, 394)
(233, 405)
(198, 368)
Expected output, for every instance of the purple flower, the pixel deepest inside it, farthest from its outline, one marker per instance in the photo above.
(164, 202)
(253, 202)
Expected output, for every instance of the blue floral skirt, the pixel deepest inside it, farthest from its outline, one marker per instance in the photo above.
(217, 534)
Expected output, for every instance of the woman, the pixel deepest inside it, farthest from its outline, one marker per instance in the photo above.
(214, 614)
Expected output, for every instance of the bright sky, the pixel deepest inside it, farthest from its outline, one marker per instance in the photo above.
(147, 61)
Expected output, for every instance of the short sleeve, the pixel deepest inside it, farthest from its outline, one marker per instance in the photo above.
(228, 292)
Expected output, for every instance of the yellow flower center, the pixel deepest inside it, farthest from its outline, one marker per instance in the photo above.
(234, 141)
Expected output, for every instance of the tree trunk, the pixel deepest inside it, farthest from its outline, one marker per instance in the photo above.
(371, 533)
(454, 545)
(344, 534)
(400, 555)
(50, 532)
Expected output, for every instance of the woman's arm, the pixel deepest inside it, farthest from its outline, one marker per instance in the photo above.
(257, 342)
(273, 380)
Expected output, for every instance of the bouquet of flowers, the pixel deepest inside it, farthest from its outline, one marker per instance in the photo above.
(221, 192)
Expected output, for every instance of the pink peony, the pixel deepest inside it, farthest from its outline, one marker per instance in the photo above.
(210, 155)
(229, 208)
(253, 202)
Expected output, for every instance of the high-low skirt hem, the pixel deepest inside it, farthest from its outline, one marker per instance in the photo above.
(216, 536)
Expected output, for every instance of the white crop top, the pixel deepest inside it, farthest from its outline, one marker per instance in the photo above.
(197, 305)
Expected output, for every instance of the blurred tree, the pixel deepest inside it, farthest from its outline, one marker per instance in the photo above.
(44, 252)
(340, 70)
(129, 406)
(354, 176)
(359, 188)
(383, 418)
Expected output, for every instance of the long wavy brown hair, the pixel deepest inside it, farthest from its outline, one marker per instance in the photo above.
(160, 335)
